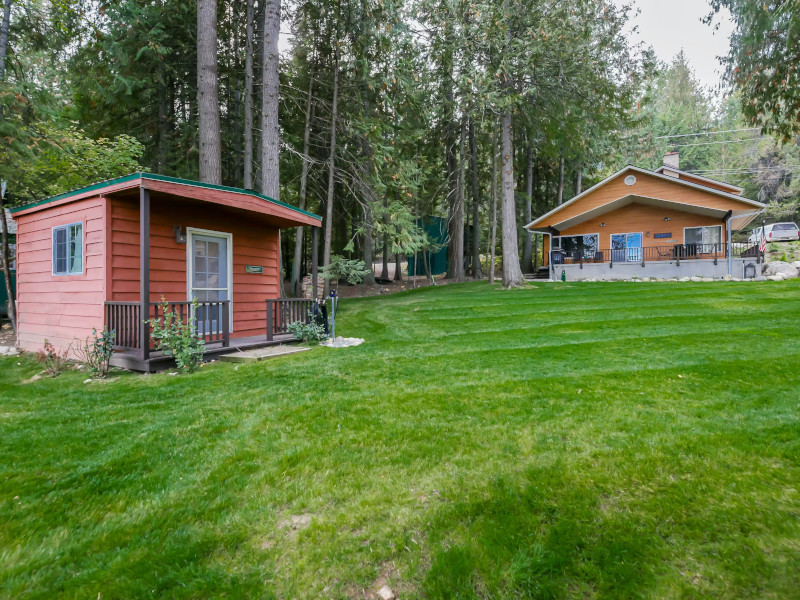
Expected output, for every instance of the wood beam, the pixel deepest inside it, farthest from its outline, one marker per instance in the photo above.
(314, 253)
(144, 272)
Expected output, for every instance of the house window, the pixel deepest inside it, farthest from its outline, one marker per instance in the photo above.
(704, 237)
(575, 245)
(68, 249)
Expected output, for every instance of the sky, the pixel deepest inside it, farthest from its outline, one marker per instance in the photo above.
(669, 25)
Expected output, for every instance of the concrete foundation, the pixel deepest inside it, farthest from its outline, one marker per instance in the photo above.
(660, 269)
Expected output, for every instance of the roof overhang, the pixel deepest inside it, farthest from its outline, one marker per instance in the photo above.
(706, 211)
(735, 188)
(279, 213)
(751, 204)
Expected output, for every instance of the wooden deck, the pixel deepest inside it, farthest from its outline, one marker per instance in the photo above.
(129, 359)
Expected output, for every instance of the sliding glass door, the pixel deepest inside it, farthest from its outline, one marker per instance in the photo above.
(626, 247)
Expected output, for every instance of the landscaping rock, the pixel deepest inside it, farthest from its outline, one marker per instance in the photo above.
(708, 279)
(796, 264)
(696, 278)
(775, 277)
(343, 342)
(386, 593)
(760, 278)
(8, 351)
(780, 266)
(685, 279)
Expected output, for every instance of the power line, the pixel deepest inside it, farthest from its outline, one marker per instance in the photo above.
(722, 170)
(667, 137)
(723, 142)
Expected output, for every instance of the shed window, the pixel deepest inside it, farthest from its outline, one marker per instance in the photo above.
(68, 249)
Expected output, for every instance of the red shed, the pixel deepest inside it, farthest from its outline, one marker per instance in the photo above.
(102, 256)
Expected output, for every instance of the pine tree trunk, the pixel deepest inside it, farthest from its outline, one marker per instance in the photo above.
(561, 180)
(270, 100)
(385, 257)
(4, 27)
(398, 267)
(512, 274)
(579, 179)
(163, 121)
(476, 201)
(208, 93)
(458, 208)
(493, 244)
(326, 255)
(248, 97)
(12, 304)
(298, 241)
(369, 244)
(527, 243)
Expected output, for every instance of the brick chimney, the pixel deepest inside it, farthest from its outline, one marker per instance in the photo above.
(672, 164)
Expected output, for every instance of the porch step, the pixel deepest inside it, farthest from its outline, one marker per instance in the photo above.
(260, 354)
(540, 273)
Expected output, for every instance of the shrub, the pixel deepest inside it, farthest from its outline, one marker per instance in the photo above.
(54, 361)
(96, 351)
(307, 332)
(177, 338)
(352, 271)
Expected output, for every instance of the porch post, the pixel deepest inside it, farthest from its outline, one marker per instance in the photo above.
(729, 244)
(144, 272)
(314, 252)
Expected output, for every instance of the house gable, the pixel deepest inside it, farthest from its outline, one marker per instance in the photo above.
(647, 184)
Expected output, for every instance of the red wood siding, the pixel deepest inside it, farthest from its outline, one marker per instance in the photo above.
(65, 307)
(254, 243)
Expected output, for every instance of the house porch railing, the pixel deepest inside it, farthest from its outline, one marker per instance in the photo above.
(673, 252)
(281, 312)
(124, 318)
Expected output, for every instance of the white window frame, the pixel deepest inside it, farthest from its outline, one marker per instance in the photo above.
(721, 234)
(190, 233)
(53, 250)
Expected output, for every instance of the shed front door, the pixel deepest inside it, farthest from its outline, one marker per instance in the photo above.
(209, 276)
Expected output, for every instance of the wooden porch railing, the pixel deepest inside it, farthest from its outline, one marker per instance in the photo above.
(283, 311)
(676, 252)
(212, 321)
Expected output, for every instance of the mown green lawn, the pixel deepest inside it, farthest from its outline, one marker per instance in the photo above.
(559, 441)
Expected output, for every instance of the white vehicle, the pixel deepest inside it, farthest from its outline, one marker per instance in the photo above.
(777, 232)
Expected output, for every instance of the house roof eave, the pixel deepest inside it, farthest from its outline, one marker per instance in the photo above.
(652, 174)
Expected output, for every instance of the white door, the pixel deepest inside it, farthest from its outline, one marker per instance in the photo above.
(209, 276)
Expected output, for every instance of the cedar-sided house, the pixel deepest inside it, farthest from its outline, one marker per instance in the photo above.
(639, 223)
(103, 256)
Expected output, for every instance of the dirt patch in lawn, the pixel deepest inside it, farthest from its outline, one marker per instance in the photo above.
(7, 337)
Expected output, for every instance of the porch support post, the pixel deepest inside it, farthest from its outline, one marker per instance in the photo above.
(144, 272)
(728, 243)
(314, 253)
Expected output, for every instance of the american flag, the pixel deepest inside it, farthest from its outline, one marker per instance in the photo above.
(762, 245)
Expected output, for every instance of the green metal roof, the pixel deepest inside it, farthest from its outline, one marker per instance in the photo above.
(102, 184)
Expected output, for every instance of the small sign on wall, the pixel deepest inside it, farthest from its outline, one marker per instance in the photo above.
(662, 236)
(253, 269)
